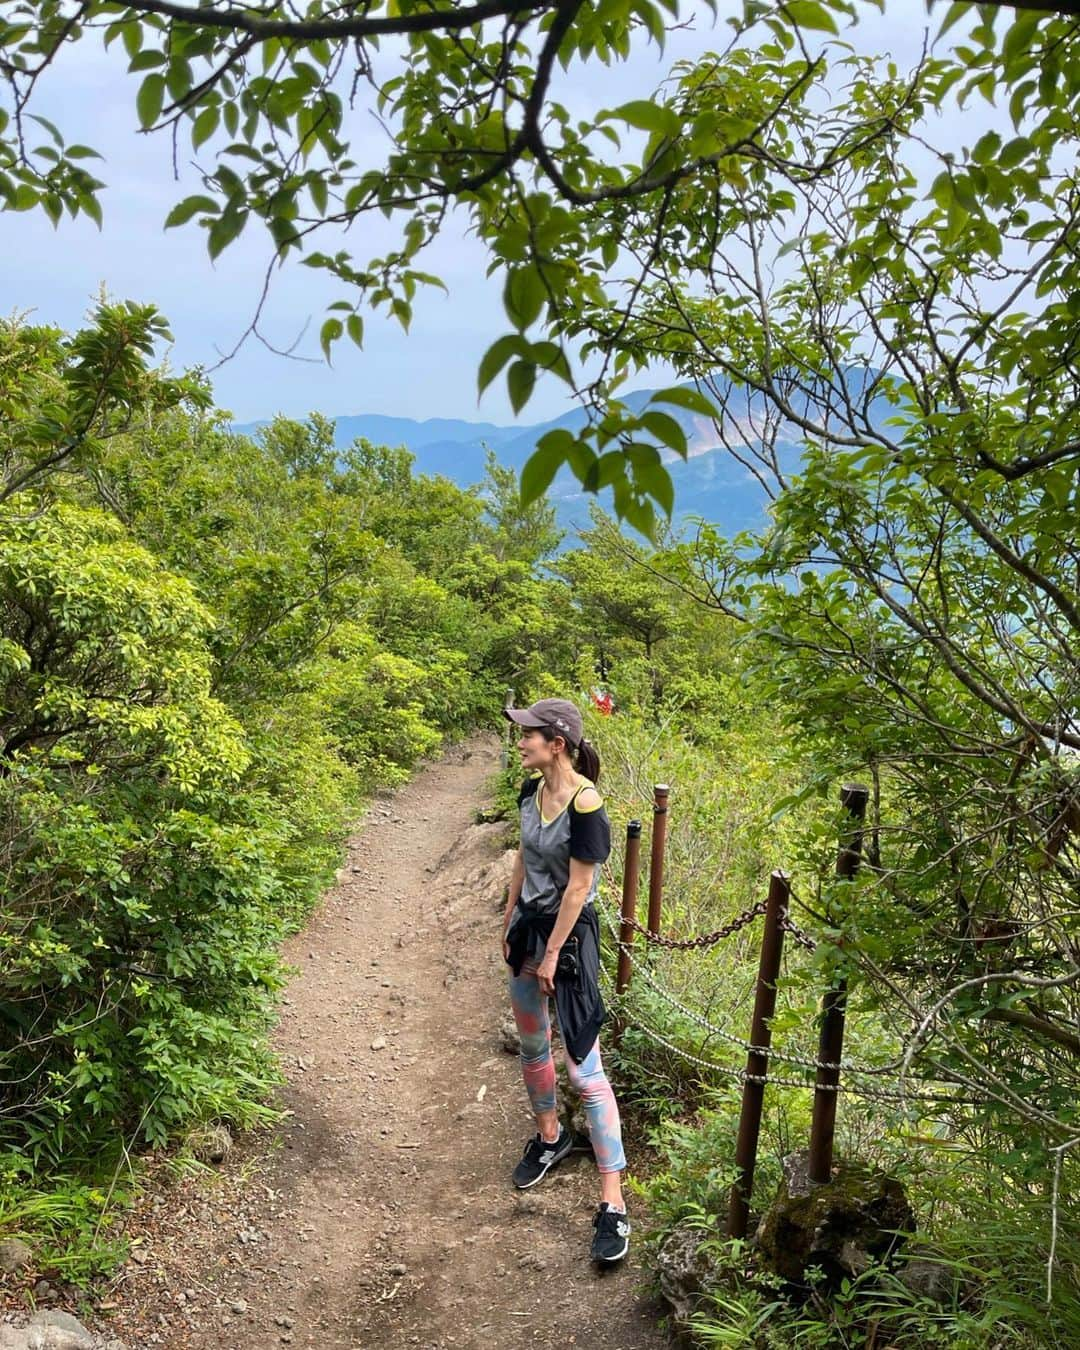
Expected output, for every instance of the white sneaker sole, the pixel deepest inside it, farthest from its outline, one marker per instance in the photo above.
(621, 1253)
(618, 1257)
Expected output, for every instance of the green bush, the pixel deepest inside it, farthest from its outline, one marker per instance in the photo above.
(138, 920)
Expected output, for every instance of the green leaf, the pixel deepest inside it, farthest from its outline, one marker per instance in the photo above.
(524, 296)
(182, 212)
(942, 190)
(544, 463)
(331, 330)
(641, 515)
(146, 61)
(1015, 152)
(581, 458)
(178, 79)
(953, 15)
(50, 127)
(665, 428)
(655, 480)
(24, 198)
(520, 380)
(647, 116)
(204, 126)
(89, 206)
(986, 148)
(149, 100)
(965, 194)
(683, 396)
(355, 325)
(283, 232)
(641, 455)
(605, 471)
(810, 14)
(550, 356)
(131, 35)
(654, 21)
(1017, 41)
(497, 355)
(224, 230)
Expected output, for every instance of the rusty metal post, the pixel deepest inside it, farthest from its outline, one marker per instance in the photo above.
(631, 872)
(853, 796)
(757, 1060)
(508, 739)
(656, 858)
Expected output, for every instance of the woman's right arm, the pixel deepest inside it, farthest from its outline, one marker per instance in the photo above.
(517, 880)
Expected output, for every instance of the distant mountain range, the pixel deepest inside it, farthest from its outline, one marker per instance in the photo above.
(710, 483)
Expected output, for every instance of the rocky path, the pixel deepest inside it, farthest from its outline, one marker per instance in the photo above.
(380, 1214)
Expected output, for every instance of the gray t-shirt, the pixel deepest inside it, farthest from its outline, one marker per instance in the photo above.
(547, 847)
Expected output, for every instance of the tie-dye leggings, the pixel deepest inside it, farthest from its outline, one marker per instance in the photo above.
(588, 1077)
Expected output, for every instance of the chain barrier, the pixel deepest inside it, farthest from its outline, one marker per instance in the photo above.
(701, 1021)
(803, 939)
(705, 939)
(778, 1056)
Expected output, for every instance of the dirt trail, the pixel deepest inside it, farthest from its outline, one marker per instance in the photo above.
(380, 1214)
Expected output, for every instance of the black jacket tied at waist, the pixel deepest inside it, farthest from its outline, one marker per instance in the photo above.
(577, 1000)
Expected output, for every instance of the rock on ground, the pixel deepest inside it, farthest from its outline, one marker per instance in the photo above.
(14, 1255)
(840, 1227)
(686, 1271)
(53, 1329)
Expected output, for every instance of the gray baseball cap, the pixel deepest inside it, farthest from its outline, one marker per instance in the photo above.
(557, 713)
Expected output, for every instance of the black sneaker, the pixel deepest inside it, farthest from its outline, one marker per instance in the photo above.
(540, 1157)
(611, 1240)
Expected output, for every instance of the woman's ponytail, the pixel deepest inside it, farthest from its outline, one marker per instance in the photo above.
(587, 760)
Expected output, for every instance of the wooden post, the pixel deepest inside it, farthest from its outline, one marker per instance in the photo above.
(831, 1040)
(757, 1060)
(656, 859)
(631, 871)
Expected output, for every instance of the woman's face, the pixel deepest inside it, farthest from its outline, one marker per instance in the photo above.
(536, 752)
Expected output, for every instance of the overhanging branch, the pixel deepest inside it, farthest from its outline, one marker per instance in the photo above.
(430, 21)
(309, 30)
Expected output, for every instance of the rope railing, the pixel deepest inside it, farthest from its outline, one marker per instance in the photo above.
(776, 1080)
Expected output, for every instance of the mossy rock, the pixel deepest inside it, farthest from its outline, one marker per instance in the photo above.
(210, 1143)
(838, 1228)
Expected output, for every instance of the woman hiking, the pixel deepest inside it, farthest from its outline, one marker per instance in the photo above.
(551, 941)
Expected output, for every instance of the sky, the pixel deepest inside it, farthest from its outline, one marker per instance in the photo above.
(55, 275)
